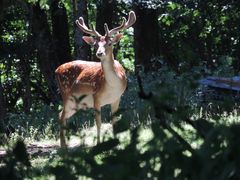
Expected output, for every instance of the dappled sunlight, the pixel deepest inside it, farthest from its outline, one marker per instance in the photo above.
(88, 136)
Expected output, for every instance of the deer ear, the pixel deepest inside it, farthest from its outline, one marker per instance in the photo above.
(117, 38)
(89, 40)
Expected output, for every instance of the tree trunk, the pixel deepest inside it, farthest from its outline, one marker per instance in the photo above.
(25, 71)
(105, 14)
(46, 56)
(146, 37)
(3, 107)
(60, 32)
(82, 49)
(2, 110)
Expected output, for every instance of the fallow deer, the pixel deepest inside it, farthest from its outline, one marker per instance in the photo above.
(85, 84)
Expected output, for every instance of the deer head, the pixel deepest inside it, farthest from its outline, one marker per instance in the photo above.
(104, 43)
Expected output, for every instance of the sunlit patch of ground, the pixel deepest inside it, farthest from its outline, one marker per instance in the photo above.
(86, 138)
(41, 151)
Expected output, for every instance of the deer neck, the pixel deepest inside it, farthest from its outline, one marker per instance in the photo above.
(110, 74)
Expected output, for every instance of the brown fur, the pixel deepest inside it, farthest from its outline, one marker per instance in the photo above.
(72, 75)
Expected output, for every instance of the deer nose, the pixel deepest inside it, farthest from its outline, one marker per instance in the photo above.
(99, 54)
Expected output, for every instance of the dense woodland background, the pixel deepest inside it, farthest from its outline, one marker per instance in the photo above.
(170, 47)
(38, 36)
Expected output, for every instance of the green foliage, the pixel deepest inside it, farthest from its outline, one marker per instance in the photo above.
(196, 31)
(39, 124)
(126, 52)
(225, 67)
(190, 139)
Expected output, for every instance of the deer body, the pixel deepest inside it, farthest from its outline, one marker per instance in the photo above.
(92, 81)
(85, 84)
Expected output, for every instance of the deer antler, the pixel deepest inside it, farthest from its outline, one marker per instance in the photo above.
(131, 20)
(81, 24)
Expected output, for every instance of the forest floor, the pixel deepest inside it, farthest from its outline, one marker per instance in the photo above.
(87, 138)
(40, 152)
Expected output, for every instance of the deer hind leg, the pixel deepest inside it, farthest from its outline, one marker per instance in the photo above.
(97, 109)
(68, 110)
(62, 122)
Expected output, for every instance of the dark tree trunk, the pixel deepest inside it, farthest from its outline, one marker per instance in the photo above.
(26, 83)
(3, 105)
(105, 14)
(25, 71)
(2, 110)
(83, 50)
(166, 51)
(60, 31)
(146, 37)
(46, 55)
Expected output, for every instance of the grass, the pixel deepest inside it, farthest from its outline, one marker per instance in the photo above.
(44, 151)
(87, 135)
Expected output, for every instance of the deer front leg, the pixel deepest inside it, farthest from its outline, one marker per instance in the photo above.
(114, 109)
(62, 122)
(97, 109)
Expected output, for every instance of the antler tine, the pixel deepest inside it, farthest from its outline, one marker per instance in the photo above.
(131, 20)
(117, 29)
(106, 29)
(81, 24)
